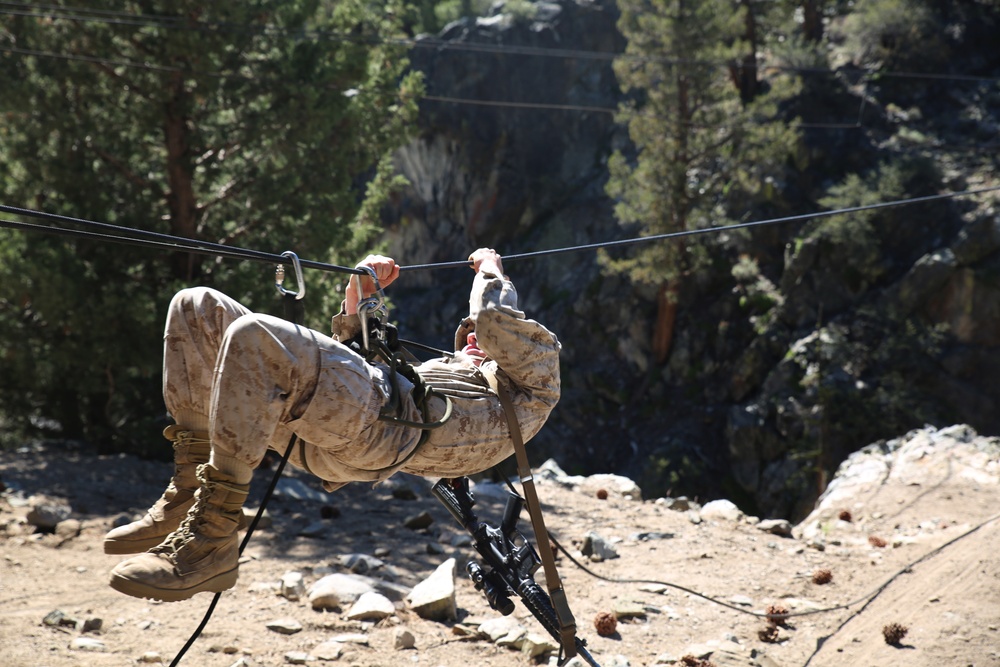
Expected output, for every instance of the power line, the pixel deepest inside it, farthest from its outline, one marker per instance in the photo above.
(180, 23)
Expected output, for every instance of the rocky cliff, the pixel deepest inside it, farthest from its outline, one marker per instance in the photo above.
(756, 405)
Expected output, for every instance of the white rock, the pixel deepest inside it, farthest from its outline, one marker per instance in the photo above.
(336, 590)
(614, 484)
(500, 627)
(88, 644)
(328, 650)
(721, 509)
(403, 639)
(535, 645)
(371, 607)
(284, 626)
(293, 585)
(597, 548)
(434, 597)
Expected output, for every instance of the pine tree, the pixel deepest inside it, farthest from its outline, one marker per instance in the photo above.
(708, 143)
(264, 124)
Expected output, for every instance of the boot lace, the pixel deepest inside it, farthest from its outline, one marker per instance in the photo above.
(185, 532)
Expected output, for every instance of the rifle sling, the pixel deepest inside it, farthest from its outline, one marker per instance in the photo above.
(567, 624)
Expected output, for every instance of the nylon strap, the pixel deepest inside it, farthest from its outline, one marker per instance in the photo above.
(567, 624)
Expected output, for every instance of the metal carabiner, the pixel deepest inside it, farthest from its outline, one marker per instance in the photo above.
(279, 277)
(371, 305)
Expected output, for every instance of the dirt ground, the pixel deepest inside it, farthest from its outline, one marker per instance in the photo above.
(938, 572)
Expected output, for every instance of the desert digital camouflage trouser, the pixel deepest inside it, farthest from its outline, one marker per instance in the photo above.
(252, 380)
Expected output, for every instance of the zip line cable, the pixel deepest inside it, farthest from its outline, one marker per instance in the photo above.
(181, 244)
(180, 23)
(709, 230)
(154, 240)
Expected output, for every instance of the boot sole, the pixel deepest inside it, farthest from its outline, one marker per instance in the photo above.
(125, 547)
(217, 584)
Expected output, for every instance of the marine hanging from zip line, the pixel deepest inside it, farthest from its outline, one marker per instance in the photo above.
(238, 383)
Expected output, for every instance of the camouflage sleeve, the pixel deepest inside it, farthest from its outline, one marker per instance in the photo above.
(525, 351)
(344, 327)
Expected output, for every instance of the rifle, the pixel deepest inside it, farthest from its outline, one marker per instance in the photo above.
(510, 559)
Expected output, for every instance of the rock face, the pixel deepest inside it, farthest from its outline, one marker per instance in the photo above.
(771, 411)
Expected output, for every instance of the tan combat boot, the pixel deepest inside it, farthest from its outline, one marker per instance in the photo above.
(202, 555)
(191, 449)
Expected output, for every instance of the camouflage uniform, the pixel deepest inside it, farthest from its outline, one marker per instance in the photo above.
(261, 378)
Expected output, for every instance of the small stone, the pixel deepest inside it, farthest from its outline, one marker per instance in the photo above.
(293, 586)
(371, 607)
(625, 611)
(68, 529)
(419, 521)
(150, 656)
(329, 650)
(653, 588)
(336, 590)
(776, 527)
(403, 639)
(54, 618)
(90, 625)
(88, 644)
(404, 493)
(721, 509)
(597, 548)
(360, 563)
(284, 626)
(535, 646)
(315, 529)
(297, 657)
(48, 515)
(263, 523)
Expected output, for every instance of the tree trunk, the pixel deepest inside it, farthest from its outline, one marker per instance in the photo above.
(744, 73)
(180, 197)
(666, 319)
(812, 20)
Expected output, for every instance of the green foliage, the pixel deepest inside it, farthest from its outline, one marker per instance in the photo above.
(709, 144)
(255, 124)
(430, 16)
(895, 34)
(757, 294)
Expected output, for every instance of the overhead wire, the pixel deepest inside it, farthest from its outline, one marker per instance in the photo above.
(181, 23)
(176, 22)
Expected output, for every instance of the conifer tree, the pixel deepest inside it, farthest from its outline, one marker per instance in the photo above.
(264, 124)
(708, 144)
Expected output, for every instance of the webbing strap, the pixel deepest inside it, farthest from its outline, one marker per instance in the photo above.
(567, 624)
